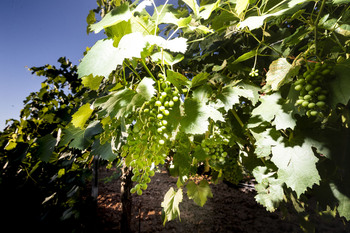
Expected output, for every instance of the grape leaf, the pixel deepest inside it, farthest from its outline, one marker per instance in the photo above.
(340, 86)
(241, 6)
(278, 74)
(92, 82)
(46, 146)
(104, 150)
(80, 138)
(344, 202)
(118, 14)
(264, 141)
(115, 104)
(197, 115)
(177, 79)
(206, 10)
(200, 79)
(269, 189)
(271, 108)
(193, 5)
(81, 116)
(230, 95)
(296, 166)
(199, 193)
(170, 205)
(341, 1)
(255, 22)
(100, 60)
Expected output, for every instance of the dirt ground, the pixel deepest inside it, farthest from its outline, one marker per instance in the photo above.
(231, 209)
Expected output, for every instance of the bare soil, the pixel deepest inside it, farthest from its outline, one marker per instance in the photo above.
(231, 209)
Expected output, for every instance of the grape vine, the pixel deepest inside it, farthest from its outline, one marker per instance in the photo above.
(244, 88)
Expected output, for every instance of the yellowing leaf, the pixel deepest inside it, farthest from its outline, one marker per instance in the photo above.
(241, 5)
(81, 116)
(92, 82)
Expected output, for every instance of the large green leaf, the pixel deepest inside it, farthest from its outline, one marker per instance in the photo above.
(82, 115)
(80, 138)
(199, 193)
(278, 74)
(193, 5)
(92, 82)
(104, 150)
(340, 86)
(46, 146)
(177, 79)
(241, 6)
(264, 141)
(287, 7)
(100, 60)
(230, 95)
(296, 166)
(197, 114)
(344, 202)
(170, 205)
(115, 104)
(269, 189)
(271, 109)
(118, 14)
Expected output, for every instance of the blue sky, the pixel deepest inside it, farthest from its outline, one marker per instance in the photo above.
(35, 33)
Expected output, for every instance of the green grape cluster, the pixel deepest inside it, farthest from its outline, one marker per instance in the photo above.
(221, 154)
(312, 87)
(148, 140)
(214, 147)
(232, 171)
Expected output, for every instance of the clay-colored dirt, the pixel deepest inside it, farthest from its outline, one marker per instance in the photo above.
(230, 210)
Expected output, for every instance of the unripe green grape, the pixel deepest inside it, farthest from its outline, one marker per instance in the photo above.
(164, 122)
(139, 192)
(161, 108)
(308, 87)
(133, 178)
(312, 92)
(133, 190)
(164, 94)
(159, 130)
(166, 103)
(307, 97)
(158, 103)
(146, 110)
(299, 102)
(298, 87)
(321, 97)
(171, 103)
(318, 89)
(175, 92)
(175, 99)
(151, 173)
(320, 104)
(314, 82)
(299, 81)
(311, 105)
(325, 72)
(166, 112)
(160, 116)
(313, 113)
(144, 187)
(138, 187)
(309, 78)
(161, 142)
(305, 103)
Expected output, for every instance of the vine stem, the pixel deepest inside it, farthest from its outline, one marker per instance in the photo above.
(147, 70)
(316, 23)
